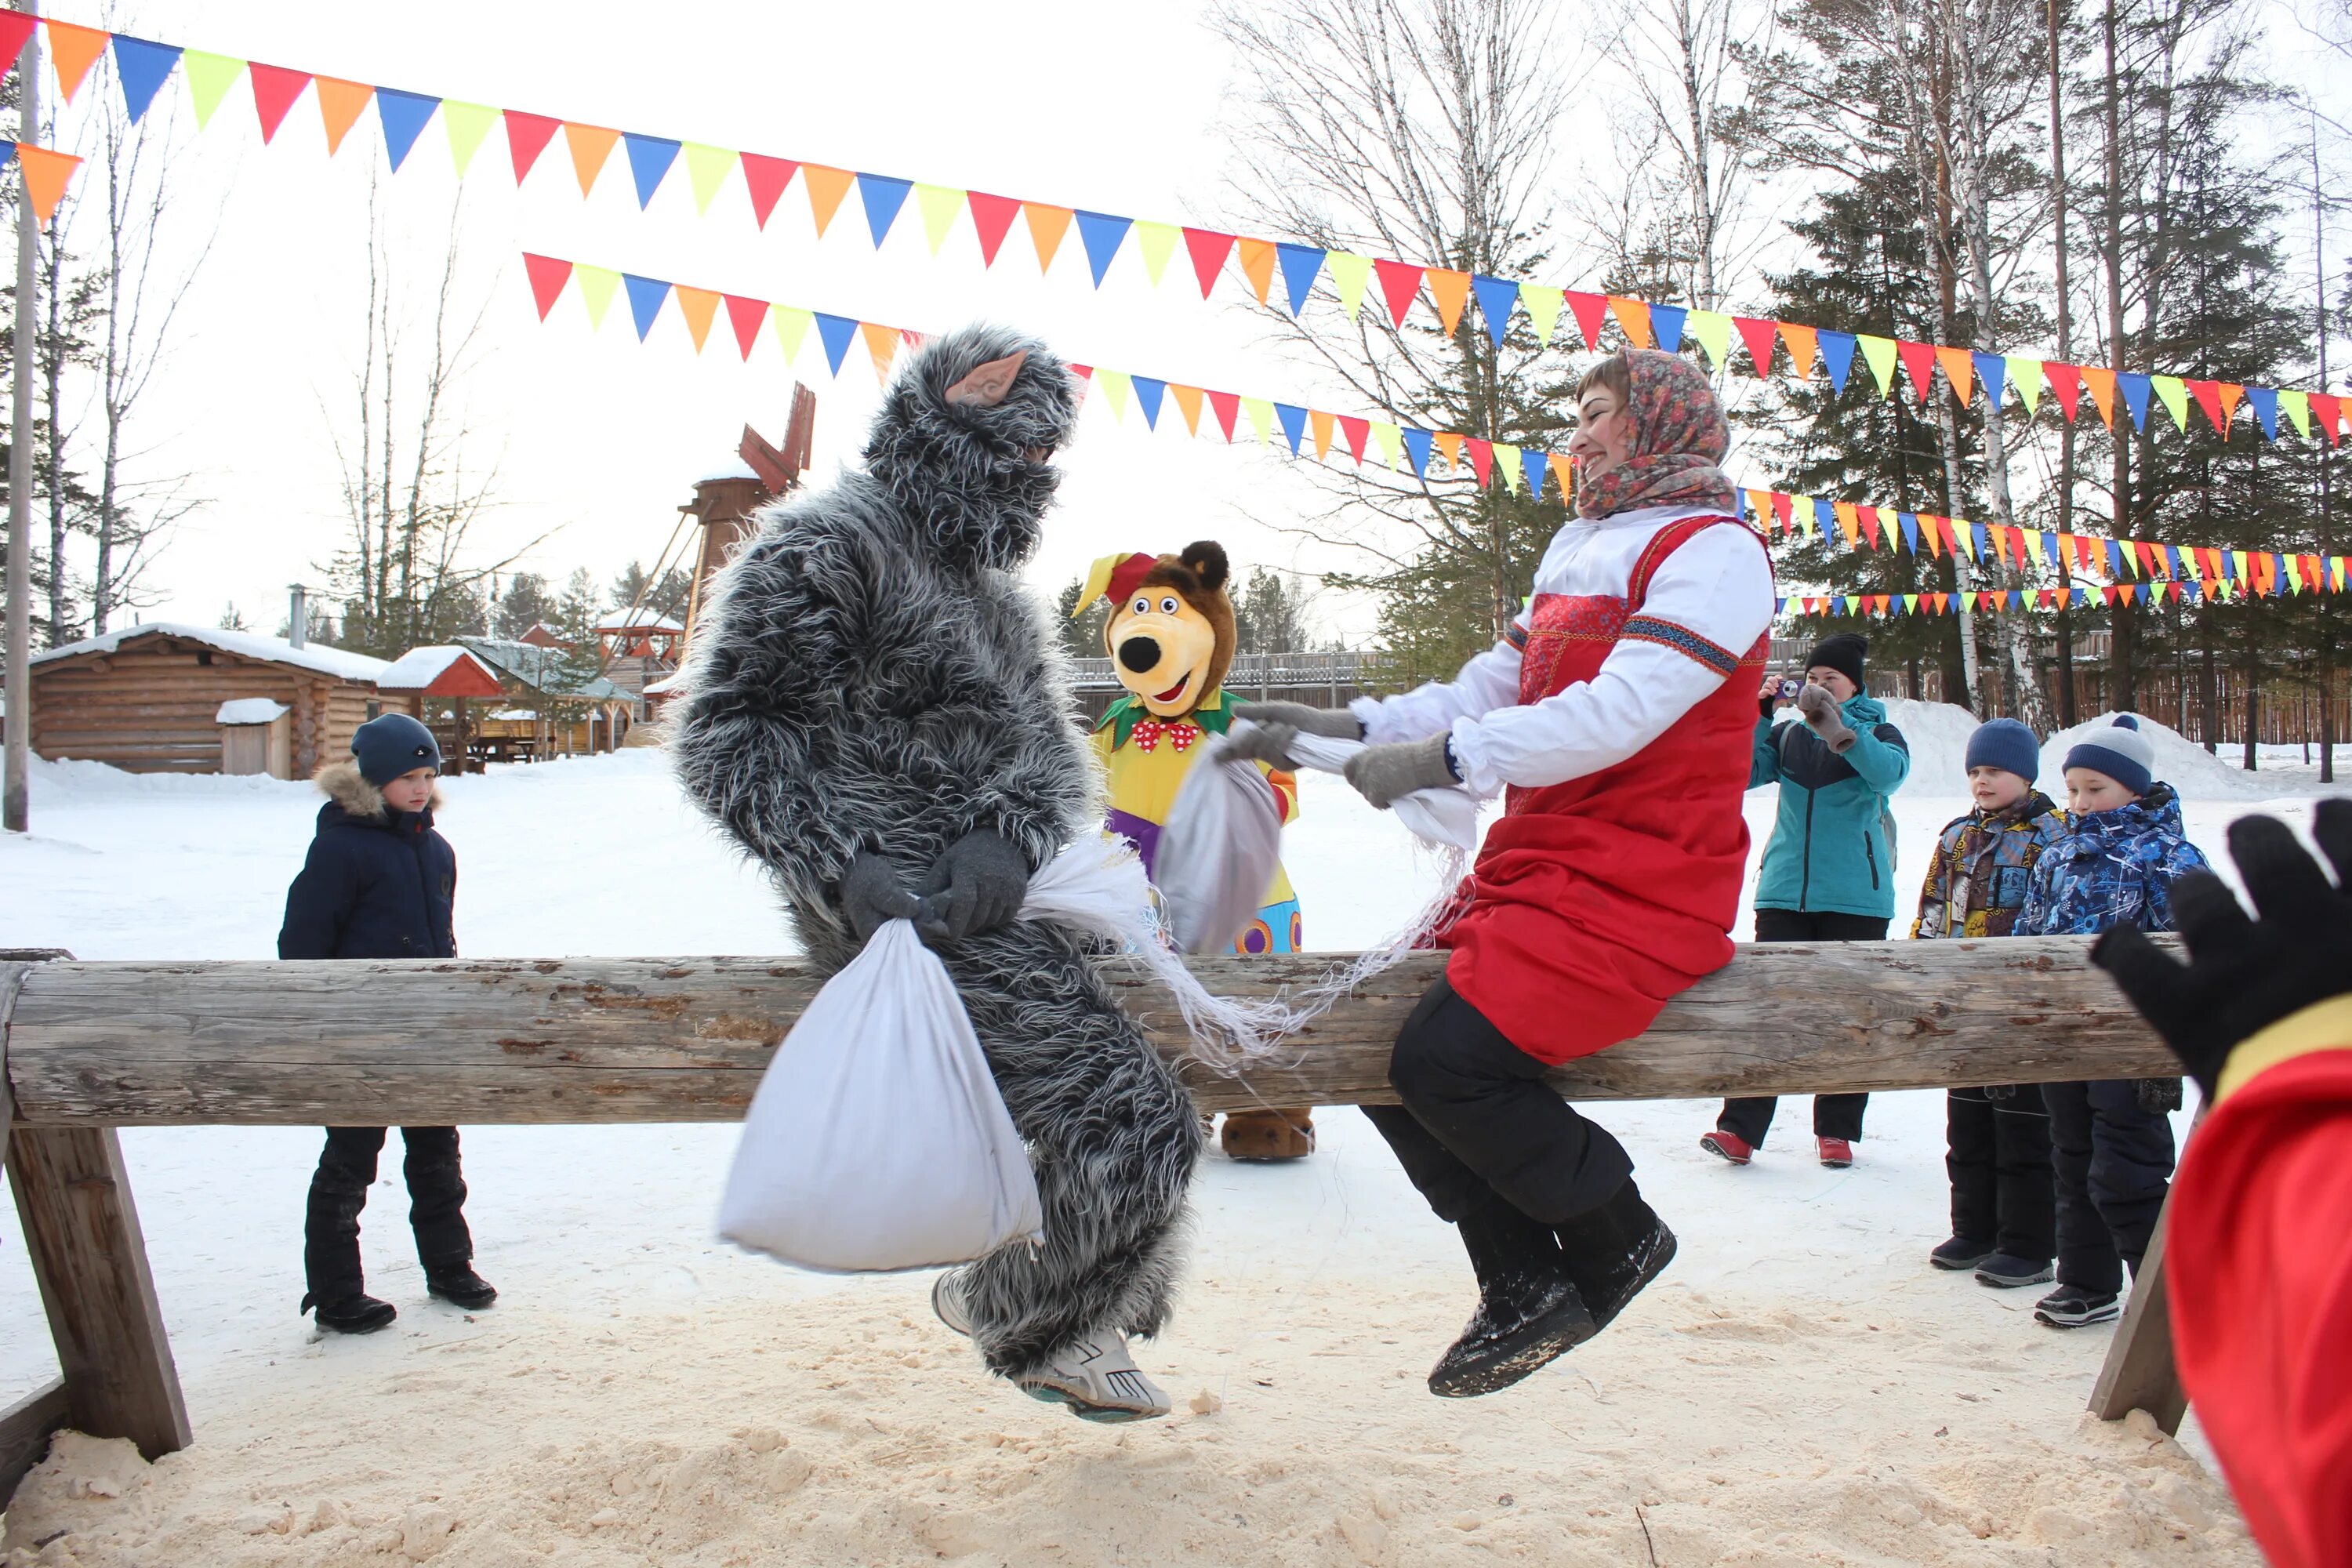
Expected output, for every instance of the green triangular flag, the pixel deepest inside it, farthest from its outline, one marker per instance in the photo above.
(1386, 438)
(791, 327)
(2025, 375)
(1158, 243)
(209, 78)
(2298, 408)
(1911, 604)
(1261, 416)
(1349, 273)
(1879, 354)
(596, 285)
(2171, 392)
(1507, 459)
(1542, 305)
(466, 124)
(1114, 388)
(1712, 329)
(939, 205)
(706, 169)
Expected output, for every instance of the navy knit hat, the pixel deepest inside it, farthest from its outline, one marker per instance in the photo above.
(2005, 744)
(393, 745)
(1841, 651)
(2121, 752)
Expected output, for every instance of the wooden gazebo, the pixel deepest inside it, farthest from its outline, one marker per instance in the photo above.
(443, 673)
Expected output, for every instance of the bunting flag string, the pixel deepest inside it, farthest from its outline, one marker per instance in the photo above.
(142, 66)
(2114, 569)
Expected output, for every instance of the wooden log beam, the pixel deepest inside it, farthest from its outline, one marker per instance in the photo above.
(26, 1428)
(685, 1039)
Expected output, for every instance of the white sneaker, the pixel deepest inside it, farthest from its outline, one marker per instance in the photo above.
(1098, 1380)
(948, 1301)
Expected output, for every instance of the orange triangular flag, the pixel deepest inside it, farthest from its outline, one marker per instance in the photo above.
(1448, 290)
(46, 174)
(2232, 392)
(591, 145)
(1804, 344)
(699, 306)
(341, 104)
(1849, 517)
(1449, 447)
(1257, 264)
(1632, 320)
(1188, 398)
(74, 50)
(1321, 422)
(1048, 227)
(827, 185)
(881, 342)
(1564, 471)
(1960, 369)
(2102, 384)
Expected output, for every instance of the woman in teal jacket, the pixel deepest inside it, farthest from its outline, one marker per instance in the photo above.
(1829, 871)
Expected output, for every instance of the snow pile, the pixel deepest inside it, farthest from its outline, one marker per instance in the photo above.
(315, 656)
(2192, 770)
(1937, 734)
(251, 711)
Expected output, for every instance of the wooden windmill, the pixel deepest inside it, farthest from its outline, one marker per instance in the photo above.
(725, 503)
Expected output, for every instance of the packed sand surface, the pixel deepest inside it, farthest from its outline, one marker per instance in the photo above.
(1798, 1388)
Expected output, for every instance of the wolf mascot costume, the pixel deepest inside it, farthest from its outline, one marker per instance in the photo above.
(874, 712)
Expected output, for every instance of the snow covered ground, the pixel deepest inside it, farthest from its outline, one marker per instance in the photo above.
(1800, 1387)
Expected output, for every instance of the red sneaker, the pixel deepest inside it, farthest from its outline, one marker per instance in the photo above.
(1836, 1153)
(1730, 1145)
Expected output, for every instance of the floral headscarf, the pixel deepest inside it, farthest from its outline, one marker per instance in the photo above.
(1679, 436)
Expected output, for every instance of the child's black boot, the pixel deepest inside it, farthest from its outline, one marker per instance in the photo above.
(458, 1285)
(1614, 1250)
(1528, 1310)
(357, 1314)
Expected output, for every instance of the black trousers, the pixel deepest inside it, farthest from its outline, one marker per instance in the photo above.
(1834, 1115)
(437, 1199)
(1997, 1153)
(2113, 1163)
(1478, 1121)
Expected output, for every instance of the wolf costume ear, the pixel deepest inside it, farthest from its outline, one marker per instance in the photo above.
(987, 384)
(1206, 558)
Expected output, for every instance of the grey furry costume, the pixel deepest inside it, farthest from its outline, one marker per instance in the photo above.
(871, 679)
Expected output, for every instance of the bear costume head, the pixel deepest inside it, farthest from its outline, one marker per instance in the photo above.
(1170, 633)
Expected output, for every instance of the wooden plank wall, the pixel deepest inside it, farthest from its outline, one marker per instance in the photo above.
(151, 708)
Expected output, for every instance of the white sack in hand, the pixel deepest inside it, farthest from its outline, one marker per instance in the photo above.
(877, 1139)
(1441, 817)
(1218, 851)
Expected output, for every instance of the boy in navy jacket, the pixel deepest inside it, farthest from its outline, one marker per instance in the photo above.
(381, 883)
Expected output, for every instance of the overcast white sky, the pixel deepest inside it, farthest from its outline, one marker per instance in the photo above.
(597, 438)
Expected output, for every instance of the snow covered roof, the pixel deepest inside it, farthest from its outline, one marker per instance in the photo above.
(326, 660)
(639, 620)
(251, 711)
(540, 668)
(733, 469)
(666, 683)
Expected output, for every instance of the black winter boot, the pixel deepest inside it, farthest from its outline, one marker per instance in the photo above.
(1613, 1251)
(458, 1285)
(354, 1314)
(1528, 1315)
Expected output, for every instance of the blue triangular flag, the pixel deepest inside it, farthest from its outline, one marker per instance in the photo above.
(1536, 465)
(2049, 545)
(649, 159)
(1667, 321)
(2017, 598)
(1837, 604)
(2172, 557)
(1416, 446)
(646, 297)
(1495, 298)
(2136, 391)
(883, 197)
(2139, 592)
(1102, 234)
(1837, 352)
(141, 67)
(404, 116)
(1779, 605)
(1300, 263)
(1294, 423)
(1910, 521)
(836, 332)
(1147, 394)
(2116, 570)
(1983, 537)
(1824, 517)
(2265, 402)
(1993, 371)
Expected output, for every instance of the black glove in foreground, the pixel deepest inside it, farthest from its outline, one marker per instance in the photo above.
(2244, 975)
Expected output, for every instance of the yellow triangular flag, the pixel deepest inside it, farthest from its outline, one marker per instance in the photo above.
(1390, 441)
(209, 78)
(1349, 273)
(1542, 305)
(938, 205)
(2025, 375)
(1507, 459)
(1114, 388)
(466, 124)
(706, 171)
(1261, 416)
(596, 287)
(1157, 241)
(791, 328)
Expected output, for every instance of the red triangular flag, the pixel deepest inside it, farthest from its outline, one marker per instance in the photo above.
(1208, 249)
(1759, 337)
(15, 27)
(2065, 385)
(1482, 458)
(526, 137)
(992, 217)
(1228, 406)
(548, 277)
(1868, 515)
(2209, 397)
(275, 88)
(1358, 431)
(2330, 409)
(1591, 309)
(1920, 360)
(1400, 286)
(745, 316)
(1782, 509)
(765, 178)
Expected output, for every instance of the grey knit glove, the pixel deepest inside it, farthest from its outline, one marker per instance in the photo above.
(872, 893)
(976, 887)
(1821, 716)
(1384, 774)
(1280, 723)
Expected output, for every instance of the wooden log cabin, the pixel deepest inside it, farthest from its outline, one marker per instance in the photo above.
(150, 699)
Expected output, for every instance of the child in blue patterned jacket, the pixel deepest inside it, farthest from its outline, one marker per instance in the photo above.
(2111, 1141)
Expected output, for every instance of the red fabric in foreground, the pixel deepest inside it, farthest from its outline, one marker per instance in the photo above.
(2259, 1264)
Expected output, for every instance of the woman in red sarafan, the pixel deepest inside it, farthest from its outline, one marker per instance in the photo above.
(1617, 718)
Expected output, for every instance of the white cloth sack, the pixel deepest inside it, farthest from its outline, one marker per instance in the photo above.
(1218, 851)
(1446, 816)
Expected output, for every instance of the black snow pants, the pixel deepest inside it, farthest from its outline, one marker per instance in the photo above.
(1478, 1121)
(1997, 1153)
(2114, 1163)
(1834, 1115)
(437, 1199)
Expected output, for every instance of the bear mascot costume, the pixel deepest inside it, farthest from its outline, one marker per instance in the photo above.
(874, 712)
(1170, 637)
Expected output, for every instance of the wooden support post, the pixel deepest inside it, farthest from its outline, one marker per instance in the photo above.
(2139, 1372)
(26, 1428)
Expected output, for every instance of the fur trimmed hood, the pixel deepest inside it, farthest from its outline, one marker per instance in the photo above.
(342, 783)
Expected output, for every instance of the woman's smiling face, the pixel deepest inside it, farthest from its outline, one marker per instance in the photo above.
(1604, 432)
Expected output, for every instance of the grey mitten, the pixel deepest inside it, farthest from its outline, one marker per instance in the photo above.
(1280, 723)
(1385, 775)
(977, 885)
(872, 893)
(1821, 716)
